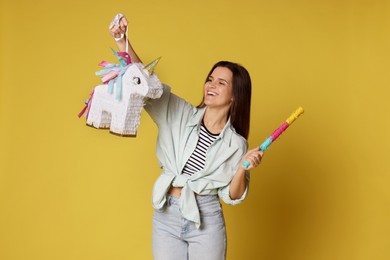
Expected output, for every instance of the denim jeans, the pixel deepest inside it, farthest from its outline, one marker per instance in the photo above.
(176, 238)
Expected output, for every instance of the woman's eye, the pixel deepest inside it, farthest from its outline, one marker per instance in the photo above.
(137, 80)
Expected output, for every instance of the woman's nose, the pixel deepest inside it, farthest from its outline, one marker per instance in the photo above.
(212, 84)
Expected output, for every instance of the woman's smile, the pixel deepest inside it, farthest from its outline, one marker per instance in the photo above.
(218, 87)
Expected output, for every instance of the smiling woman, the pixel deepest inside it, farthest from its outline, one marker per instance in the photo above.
(201, 151)
(218, 93)
(234, 79)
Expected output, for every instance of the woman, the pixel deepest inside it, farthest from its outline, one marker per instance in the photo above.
(201, 151)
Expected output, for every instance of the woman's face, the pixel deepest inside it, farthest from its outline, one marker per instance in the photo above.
(218, 89)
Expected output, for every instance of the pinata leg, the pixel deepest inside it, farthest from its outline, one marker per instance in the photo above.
(126, 124)
(105, 121)
(97, 117)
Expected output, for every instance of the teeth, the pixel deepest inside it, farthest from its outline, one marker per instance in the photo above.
(211, 93)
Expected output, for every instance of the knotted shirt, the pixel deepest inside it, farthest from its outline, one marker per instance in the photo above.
(178, 125)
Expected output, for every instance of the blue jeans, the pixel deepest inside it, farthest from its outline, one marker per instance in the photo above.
(176, 238)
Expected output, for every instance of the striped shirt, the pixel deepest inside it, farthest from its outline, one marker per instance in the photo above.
(197, 159)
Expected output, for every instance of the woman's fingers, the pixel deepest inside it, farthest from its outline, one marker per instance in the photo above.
(118, 26)
(123, 22)
(256, 160)
(254, 157)
(116, 31)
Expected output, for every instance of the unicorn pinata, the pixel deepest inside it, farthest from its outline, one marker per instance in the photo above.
(117, 104)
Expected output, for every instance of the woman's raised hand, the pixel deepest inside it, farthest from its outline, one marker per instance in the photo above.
(118, 27)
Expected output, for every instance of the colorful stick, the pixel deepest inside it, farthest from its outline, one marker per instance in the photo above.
(277, 132)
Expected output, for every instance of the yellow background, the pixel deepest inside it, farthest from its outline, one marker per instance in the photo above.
(68, 191)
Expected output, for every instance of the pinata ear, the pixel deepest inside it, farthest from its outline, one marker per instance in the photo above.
(126, 56)
(122, 57)
(151, 66)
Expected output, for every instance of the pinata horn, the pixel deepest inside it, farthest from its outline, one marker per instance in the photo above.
(150, 67)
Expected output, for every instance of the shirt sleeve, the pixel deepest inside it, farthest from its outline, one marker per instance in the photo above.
(224, 192)
(167, 108)
(158, 108)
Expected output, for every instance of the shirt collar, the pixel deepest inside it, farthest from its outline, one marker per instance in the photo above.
(196, 120)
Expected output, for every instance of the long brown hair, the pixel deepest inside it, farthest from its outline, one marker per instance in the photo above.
(240, 108)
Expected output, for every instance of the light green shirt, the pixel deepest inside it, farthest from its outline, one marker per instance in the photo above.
(178, 125)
